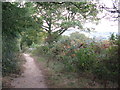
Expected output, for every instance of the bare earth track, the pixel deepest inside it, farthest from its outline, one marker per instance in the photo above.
(32, 76)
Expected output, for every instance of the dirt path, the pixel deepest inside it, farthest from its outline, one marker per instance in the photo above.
(32, 76)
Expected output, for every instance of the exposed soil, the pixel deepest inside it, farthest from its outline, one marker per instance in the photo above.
(32, 76)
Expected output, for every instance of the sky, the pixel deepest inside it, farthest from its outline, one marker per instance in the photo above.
(104, 28)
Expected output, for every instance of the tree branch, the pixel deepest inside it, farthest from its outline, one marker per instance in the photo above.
(45, 28)
(111, 10)
(63, 30)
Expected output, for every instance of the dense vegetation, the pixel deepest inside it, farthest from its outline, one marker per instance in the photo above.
(40, 26)
(15, 21)
(96, 58)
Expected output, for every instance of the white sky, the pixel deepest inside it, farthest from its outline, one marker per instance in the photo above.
(105, 26)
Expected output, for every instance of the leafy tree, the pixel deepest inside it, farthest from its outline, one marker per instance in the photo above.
(30, 37)
(59, 16)
(112, 37)
(15, 19)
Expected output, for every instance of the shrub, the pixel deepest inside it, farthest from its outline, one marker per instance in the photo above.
(107, 68)
(86, 58)
(9, 55)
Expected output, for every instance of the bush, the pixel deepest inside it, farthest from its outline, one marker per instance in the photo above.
(10, 55)
(91, 57)
(86, 58)
(107, 68)
(42, 50)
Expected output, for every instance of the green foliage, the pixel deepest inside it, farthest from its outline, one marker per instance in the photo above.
(112, 37)
(15, 20)
(69, 54)
(30, 37)
(79, 37)
(9, 37)
(9, 56)
(107, 68)
(44, 49)
(51, 38)
(59, 16)
(93, 57)
(86, 58)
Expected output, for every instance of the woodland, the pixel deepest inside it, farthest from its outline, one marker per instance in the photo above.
(37, 28)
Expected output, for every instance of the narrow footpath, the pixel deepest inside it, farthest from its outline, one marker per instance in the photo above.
(31, 77)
